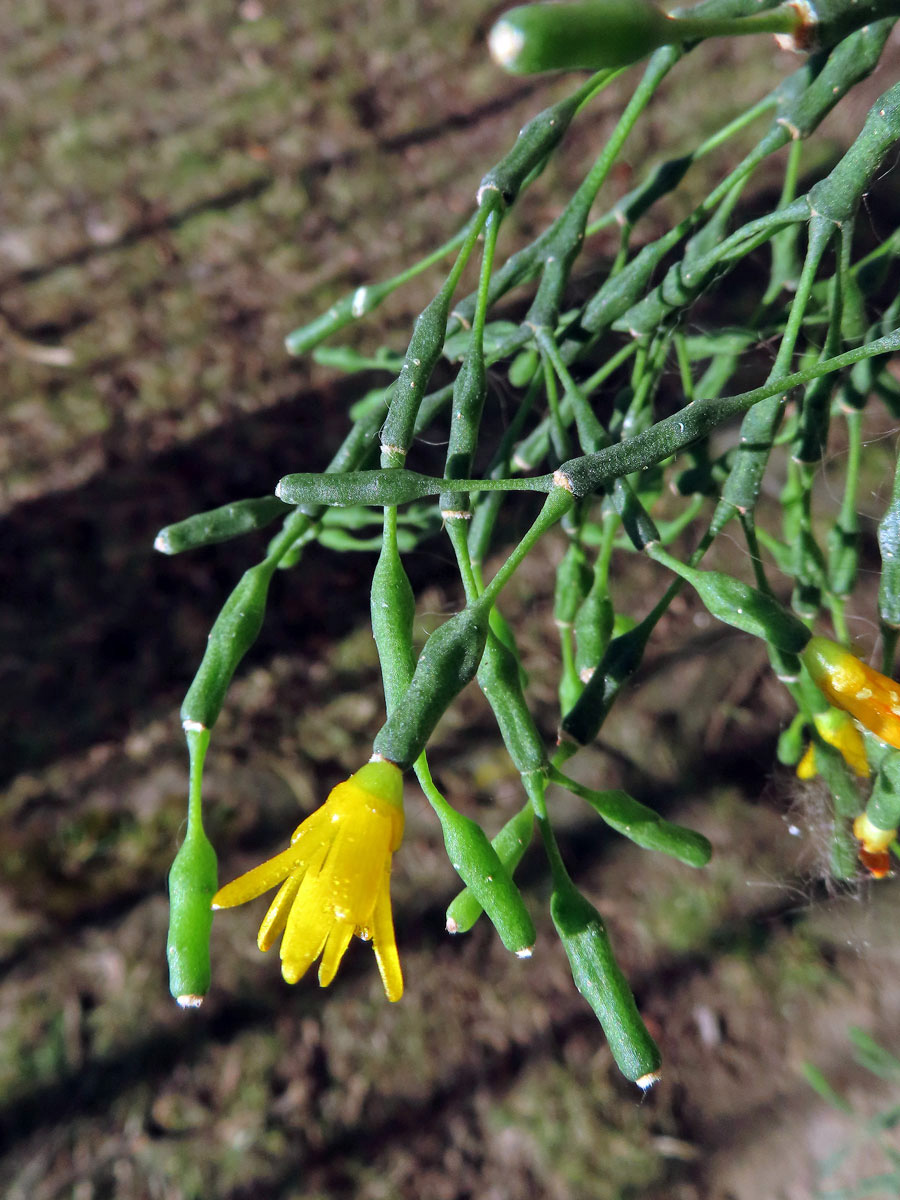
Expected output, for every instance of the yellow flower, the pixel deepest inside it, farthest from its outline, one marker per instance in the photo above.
(851, 685)
(335, 880)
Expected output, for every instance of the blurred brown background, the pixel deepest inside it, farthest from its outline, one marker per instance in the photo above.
(182, 185)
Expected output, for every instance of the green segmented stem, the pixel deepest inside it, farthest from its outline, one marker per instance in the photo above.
(573, 581)
(621, 658)
(595, 971)
(423, 352)
(837, 196)
(801, 102)
(469, 390)
(240, 620)
(510, 843)
(668, 436)
(785, 265)
(559, 436)
(447, 663)
(452, 654)
(499, 677)
(883, 806)
(543, 37)
(601, 982)
(553, 253)
(219, 524)
(815, 414)
(808, 565)
(557, 504)
(595, 616)
(582, 475)
(889, 546)
(537, 139)
(591, 434)
(363, 300)
(393, 609)
(736, 603)
(835, 19)
(233, 633)
(566, 235)
(799, 109)
(488, 880)
(831, 202)
(843, 542)
(391, 486)
(488, 506)
(684, 283)
(479, 866)
(193, 880)
(639, 823)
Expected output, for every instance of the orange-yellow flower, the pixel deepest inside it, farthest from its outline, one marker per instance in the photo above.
(872, 698)
(335, 880)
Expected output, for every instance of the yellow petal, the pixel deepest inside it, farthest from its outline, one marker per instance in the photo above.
(383, 940)
(307, 839)
(335, 949)
(300, 952)
(276, 918)
(312, 824)
(352, 871)
(308, 925)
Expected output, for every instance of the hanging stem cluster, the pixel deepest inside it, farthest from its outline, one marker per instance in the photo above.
(596, 434)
